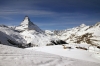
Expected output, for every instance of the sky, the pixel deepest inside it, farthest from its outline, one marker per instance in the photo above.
(50, 14)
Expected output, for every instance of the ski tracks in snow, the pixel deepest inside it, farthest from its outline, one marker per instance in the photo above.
(10, 56)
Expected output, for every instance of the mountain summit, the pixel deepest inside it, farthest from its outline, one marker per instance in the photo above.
(97, 24)
(26, 24)
(82, 25)
(26, 20)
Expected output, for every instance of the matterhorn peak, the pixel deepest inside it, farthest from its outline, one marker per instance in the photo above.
(26, 24)
(26, 19)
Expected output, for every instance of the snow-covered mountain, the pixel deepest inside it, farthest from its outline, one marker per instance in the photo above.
(80, 34)
(29, 33)
(32, 33)
(10, 37)
(26, 33)
(26, 24)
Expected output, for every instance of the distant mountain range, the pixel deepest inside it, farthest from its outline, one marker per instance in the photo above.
(80, 34)
(29, 34)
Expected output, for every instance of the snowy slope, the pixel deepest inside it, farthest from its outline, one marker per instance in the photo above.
(87, 55)
(11, 56)
(7, 33)
(35, 38)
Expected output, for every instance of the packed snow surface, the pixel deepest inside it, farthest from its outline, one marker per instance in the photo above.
(92, 54)
(12, 56)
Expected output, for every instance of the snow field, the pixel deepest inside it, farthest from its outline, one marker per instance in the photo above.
(87, 55)
(12, 56)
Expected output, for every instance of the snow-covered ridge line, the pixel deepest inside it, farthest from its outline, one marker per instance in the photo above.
(80, 34)
(29, 33)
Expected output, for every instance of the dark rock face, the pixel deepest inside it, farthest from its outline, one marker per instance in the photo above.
(58, 42)
(84, 38)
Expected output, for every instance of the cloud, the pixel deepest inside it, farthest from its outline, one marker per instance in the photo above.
(5, 17)
(48, 7)
(26, 12)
